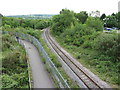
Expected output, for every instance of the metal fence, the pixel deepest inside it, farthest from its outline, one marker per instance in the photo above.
(59, 78)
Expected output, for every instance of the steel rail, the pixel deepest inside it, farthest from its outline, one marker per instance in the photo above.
(64, 57)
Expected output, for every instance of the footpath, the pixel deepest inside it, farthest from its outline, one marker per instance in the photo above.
(40, 76)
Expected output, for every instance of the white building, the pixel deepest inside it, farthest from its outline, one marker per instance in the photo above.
(95, 13)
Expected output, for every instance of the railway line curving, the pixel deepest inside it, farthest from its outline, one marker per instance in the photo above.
(82, 73)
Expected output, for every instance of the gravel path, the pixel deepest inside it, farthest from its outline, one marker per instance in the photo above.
(39, 74)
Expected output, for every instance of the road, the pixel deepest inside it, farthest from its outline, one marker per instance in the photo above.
(39, 74)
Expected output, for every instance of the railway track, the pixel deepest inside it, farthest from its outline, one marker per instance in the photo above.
(89, 82)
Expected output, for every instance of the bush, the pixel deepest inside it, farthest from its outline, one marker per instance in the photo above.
(107, 44)
(77, 34)
(8, 82)
(95, 23)
(14, 65)
(56, 62)
(64, 20)
(87, 44)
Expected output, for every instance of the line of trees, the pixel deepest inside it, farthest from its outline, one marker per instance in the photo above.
(68, 19)
(112, 20)
(79, 29)
(31, 23)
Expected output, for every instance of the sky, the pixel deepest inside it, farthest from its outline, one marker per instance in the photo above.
(24, 7)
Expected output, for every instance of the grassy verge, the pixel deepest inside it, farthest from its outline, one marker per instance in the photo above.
(56, 62)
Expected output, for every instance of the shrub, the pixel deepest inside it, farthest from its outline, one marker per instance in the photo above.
(95, 23)
(107, 44)
(77, 34)
(8, 82)
(14, 66)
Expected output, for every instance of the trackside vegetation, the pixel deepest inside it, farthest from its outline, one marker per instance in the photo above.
(86, 41)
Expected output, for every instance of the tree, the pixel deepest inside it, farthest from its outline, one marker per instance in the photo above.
(68, 17)
(95, 23)
(82, 16)
(113, 14)
(103, 16)
(118, 19)
(64, 20)
(110, 21)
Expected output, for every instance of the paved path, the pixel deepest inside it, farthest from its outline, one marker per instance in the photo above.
(39, 74)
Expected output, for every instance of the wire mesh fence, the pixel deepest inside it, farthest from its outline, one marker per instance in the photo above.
(56, 74)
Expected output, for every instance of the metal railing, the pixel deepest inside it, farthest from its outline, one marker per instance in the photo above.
(57, 75)
(28, 64)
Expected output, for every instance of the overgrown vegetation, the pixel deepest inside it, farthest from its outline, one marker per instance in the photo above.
(37, 33)
(87, 42)
(25, 23)
(81, 35)
(14, 64)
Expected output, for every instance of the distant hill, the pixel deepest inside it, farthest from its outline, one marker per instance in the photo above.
(34, 16)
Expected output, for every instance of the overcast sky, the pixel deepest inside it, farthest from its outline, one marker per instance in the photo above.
(20, 7)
